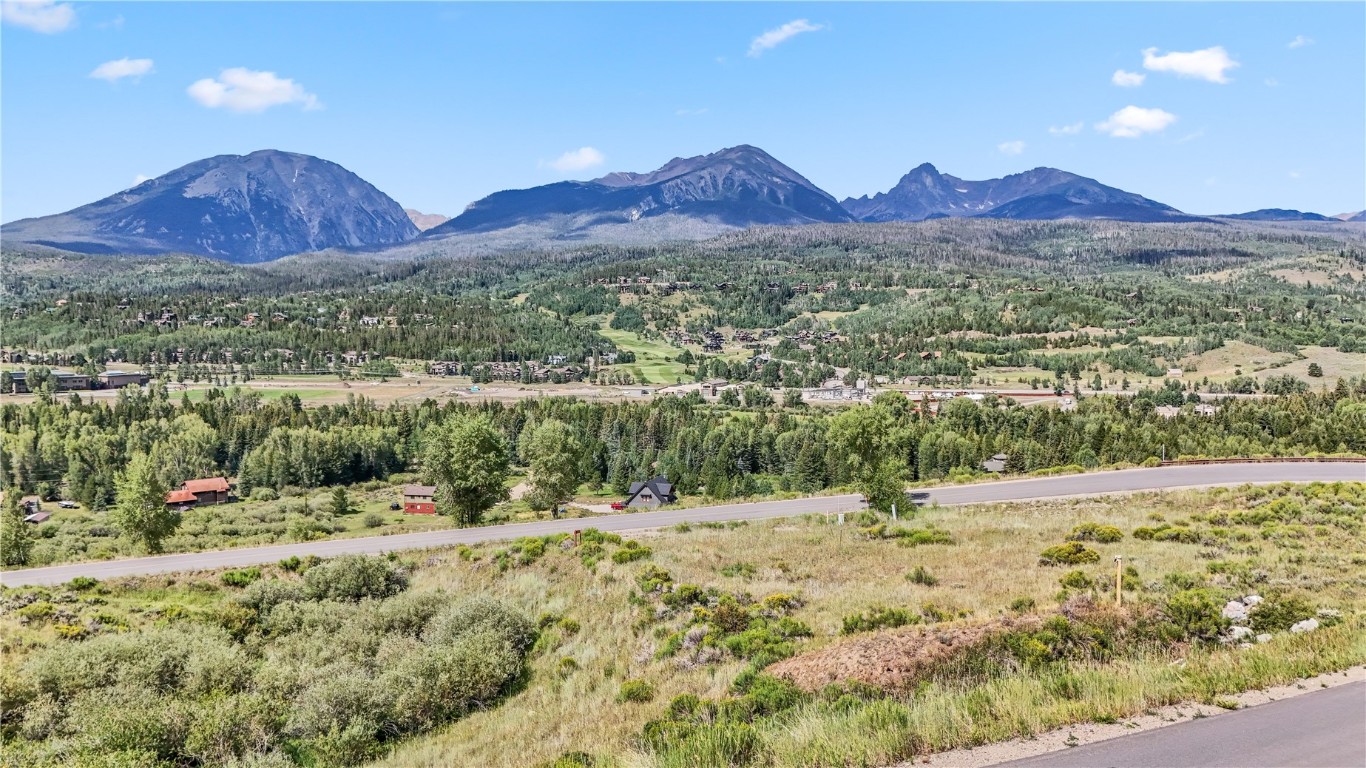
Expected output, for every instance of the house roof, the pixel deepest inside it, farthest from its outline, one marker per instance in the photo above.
(180, 497)
(37, 517)
(419, 490)
(658, 484)
(204, 485)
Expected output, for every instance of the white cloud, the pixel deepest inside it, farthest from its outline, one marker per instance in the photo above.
(1066, 130)
(690, 112)
(115, 70)
(1210, 64)
(1300, 41)
(1010, 147)
(1132, 122)
(1191, 136)
(43, 16)
(1294, 174)
(244, 90)
(138, 179)
(1127, 79)
(775, 37)
(579, 159)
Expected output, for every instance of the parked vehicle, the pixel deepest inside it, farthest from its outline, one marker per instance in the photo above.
(395, 506)
(618, 505)
(68, 505)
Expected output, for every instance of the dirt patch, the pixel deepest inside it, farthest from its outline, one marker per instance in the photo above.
(892, 659)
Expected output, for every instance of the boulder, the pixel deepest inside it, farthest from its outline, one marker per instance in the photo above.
(1252, 600)
(1308, 625)
(1263, 637)
(1235, 611)
(1239, 633)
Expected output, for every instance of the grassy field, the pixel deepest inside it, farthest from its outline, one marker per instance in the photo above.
(655, 363)
(838, 572)
(604, 635)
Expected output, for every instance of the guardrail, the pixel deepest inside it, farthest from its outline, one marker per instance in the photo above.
(1271, 460)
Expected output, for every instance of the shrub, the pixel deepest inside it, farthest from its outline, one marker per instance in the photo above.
(922, 576)
(241, 577)
(742, 570)
(82, 583)
(1076, 580)
(1022, 604)
(1196, 614)
(878, 617)
(1102, 534)
(372, 520)
(354, 577)
(483, 614)
(1277, 613)
(636, 692)
(264, 493)
(1071, 553)
(630, 552)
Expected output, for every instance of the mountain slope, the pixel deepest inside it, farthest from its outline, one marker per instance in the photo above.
(1041, 193)
(736, 187)
(240, 208)
(425, 221)
(1276, 214)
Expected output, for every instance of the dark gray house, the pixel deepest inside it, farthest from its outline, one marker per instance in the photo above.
(651, 493)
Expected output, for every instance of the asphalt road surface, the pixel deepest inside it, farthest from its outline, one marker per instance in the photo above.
(1092, 484)
(1324, 729)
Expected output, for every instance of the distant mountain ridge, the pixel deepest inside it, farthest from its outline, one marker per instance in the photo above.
(1040, 193)
(425, 221)
(736, 187)
(240, 208)
(1278, 214)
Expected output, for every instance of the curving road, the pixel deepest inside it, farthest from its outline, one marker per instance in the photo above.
(1091, 484)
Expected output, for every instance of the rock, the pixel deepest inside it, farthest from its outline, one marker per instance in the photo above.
(1239, 633)
(1244, 646)
(1308, 625)
(1235, 611)
(1262, 638)
(1252, 600)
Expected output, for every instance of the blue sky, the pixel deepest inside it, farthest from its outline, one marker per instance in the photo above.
(1240, 106)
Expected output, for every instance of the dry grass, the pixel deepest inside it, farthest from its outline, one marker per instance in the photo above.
(838, 573)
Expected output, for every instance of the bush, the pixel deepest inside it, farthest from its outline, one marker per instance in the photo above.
(1196, 614)
(636, 692)
(1277, 613)
(241, 577)
(483, 614)
(922, 576)
(353, 578)
(1076, 580)
(372, 520)
(82, 583)
(878, 617)
(630, 552)
(263, 493)
(1071, 553)
(1102, 534)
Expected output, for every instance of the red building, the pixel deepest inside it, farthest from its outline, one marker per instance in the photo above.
(181, 498)
(419, 499)
(211, 490)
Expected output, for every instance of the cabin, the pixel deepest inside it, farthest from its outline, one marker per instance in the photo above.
(181, 498)
(209, 490)
(651, 493)
(419, 499)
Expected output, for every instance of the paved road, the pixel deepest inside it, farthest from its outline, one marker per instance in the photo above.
(1097, 483)
(1324, 729)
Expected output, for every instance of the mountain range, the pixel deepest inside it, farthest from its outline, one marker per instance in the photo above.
(269, 204)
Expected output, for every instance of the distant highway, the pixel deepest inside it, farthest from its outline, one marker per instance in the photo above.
(1323, 729)
(1091, 484)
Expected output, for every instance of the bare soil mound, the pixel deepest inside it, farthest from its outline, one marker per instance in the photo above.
(891, 659)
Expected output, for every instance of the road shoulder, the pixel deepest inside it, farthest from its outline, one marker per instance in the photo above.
(1091, 733)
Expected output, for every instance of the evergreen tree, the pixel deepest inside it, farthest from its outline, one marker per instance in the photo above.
(16, 540)
(341, 504)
